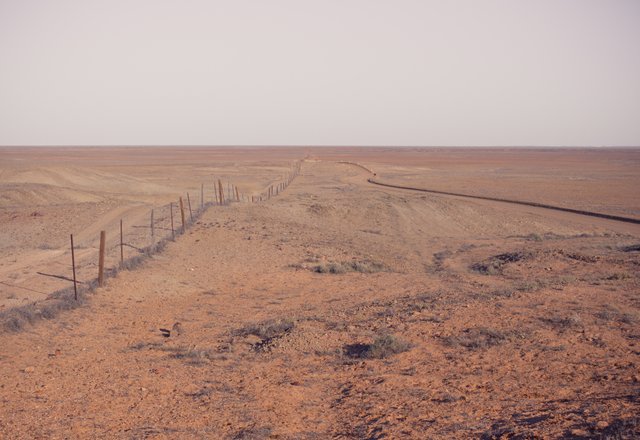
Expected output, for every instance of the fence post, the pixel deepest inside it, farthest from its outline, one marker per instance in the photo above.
(73, 264)
(220, 192)
(101, 259)
(202, 196)
(237, 195)
(190, 212)
(153, 229)
(121, 245)
(173, 231)
(182, 213)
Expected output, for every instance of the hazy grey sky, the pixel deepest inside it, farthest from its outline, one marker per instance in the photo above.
(323, 72)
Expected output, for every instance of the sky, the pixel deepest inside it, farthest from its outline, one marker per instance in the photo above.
(301, 72)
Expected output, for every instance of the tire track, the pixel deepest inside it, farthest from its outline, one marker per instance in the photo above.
(515, 202)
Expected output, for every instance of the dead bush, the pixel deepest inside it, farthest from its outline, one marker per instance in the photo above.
(563, 322)
(191, 355)
(631, 248)
(270, 329)
(382, 347)
(495, 264)
(477, 337)
(351, 266)
(613, 314)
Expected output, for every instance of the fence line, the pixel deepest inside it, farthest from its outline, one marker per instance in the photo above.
(276, 188)
(147, 239)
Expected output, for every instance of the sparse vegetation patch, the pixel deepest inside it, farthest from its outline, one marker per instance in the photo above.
(564, 322)
(480, 337)
(267, 331)
(351, 266)
(495, 264)
(382, 347)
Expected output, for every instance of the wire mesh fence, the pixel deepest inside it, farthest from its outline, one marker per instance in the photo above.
(128, 241)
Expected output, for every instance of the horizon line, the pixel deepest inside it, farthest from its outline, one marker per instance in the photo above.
(301, 146)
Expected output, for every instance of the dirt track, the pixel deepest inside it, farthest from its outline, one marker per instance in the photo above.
(510, 329)
(515, 202)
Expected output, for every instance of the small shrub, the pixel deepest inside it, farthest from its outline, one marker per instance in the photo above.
(613, 314)
(352, 266)
(267, 330)
(563, 322)
(622, 429)
(189, 354)
(367, 267)
(503, 293)
(534, 237)
(618, 276)
(477, 337)
(495, 264)
(382, 347)
(530, 286)
(334, 268)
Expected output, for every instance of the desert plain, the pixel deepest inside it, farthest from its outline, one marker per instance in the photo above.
(335, 309)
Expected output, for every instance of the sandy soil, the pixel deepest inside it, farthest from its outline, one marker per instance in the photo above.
(47, 194)
(343, 310)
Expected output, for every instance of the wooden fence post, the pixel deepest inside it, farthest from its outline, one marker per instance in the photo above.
(220, 192)
(153, 229)
(121, 245)
(173, 231)
(182, 213)
(237, 195)
(101, 259)
(73, 264)
(190, 212)
(202, 196)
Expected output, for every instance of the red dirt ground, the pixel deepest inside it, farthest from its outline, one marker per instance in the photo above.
(343, 310)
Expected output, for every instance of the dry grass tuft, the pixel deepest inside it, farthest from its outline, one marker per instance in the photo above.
(266, 330)
(383, 347)
(495, 264)
(351, 266)
(480, 337)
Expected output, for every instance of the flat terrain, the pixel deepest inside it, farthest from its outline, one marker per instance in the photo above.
(337, 309)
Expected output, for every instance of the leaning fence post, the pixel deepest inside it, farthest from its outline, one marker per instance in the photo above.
(73, 264)
(237, 194)
(182, 213)
(121, 245)
(101, 259)
(190, 212)
(173, 231)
